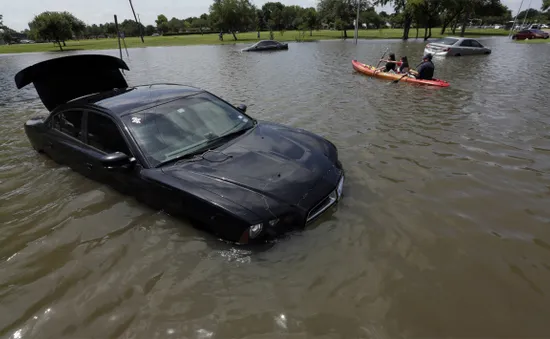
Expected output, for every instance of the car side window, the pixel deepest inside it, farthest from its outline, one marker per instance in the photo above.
(466, 43)
(104, 135)
(69, 123)
(476, 44)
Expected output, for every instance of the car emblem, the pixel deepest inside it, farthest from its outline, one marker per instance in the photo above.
(136, 120)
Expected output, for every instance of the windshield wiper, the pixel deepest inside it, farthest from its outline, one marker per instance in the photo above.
(184, 156)
(230, 135)
(207, 147)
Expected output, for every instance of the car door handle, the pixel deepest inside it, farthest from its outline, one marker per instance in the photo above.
(89, 166)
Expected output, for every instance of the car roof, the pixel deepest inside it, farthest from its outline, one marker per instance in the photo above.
(133, 99)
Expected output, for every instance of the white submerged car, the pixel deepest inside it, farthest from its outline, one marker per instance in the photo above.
(456, 47)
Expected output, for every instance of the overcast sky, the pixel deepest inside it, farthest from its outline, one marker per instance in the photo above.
(18, 13)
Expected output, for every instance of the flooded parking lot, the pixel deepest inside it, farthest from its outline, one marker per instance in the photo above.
(444, 230)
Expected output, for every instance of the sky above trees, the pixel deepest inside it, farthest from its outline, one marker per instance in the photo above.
(17, 14)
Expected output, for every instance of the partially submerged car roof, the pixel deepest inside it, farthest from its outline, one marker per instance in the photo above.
(60, 80)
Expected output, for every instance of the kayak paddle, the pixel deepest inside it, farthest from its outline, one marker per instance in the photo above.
(383, 55)
(396, 81)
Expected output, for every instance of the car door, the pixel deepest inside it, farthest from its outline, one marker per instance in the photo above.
(466, 47)
(522, 35)
(63, 140)
(477, 48)
(104, 136)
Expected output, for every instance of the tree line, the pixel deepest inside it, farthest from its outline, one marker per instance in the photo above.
(233, 16)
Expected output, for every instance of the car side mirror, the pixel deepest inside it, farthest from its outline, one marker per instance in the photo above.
(117, 161)
(242, 107)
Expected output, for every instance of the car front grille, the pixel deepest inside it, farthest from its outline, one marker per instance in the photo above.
(322, 206)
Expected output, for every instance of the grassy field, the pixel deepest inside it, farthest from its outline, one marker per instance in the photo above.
(212, 39)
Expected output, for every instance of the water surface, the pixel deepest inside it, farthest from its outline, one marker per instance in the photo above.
(443, 232)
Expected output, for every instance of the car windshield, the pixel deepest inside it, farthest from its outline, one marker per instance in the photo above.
(446, 41)
(184, 127)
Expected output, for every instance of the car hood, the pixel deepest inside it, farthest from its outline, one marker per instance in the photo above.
(271, 160)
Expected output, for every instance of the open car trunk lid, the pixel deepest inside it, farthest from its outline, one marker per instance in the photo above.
(60, 80)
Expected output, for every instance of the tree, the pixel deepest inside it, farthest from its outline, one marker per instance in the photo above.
(370, 17)
(340, 12)
(77, 26)
(273, 14)
(311, 20)
(149, 30)
(6, 35)
(2, 30)
(200, 23)
(131, 28)
(260, 22)
(404, 14)
(162, 23)
(531, 14)
(232, 15)
(51, 26)
(175, 25)
(545, 5)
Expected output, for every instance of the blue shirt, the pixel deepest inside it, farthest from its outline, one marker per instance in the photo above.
(426, 70)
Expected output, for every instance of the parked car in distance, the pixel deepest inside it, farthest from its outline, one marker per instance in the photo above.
(530, 34)
(451, 46)
(266, 45)
(182, 149)
(544, 26)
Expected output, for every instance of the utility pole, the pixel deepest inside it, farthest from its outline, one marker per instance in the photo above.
(357, 21)
(137, 21)
(118, 37)
(526, 12)
(515, 18)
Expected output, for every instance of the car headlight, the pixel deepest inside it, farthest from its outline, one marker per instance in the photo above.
(340, 187)
(255, 230)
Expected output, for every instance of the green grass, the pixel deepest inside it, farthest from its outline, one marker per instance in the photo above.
(212, 39)
(533, 41)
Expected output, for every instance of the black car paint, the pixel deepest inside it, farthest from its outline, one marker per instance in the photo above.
(270, 172)
(275, 46)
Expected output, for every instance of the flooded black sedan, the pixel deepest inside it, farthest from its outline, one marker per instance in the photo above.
(266, 45)
(182, 149)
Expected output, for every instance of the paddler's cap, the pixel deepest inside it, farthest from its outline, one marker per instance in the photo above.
(428, 56)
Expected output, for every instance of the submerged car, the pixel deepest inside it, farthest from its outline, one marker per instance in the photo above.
(266, 45)
(456, 47)
(182, 149)
(530, 34)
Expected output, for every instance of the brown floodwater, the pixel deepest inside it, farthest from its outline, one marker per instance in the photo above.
(444, 230)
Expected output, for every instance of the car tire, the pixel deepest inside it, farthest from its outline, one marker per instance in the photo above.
(457, 54)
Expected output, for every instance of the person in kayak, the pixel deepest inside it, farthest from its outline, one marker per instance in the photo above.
(403, 65)
(391, 64)
(425, 70)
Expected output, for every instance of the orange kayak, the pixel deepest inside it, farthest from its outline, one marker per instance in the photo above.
(371, 71)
